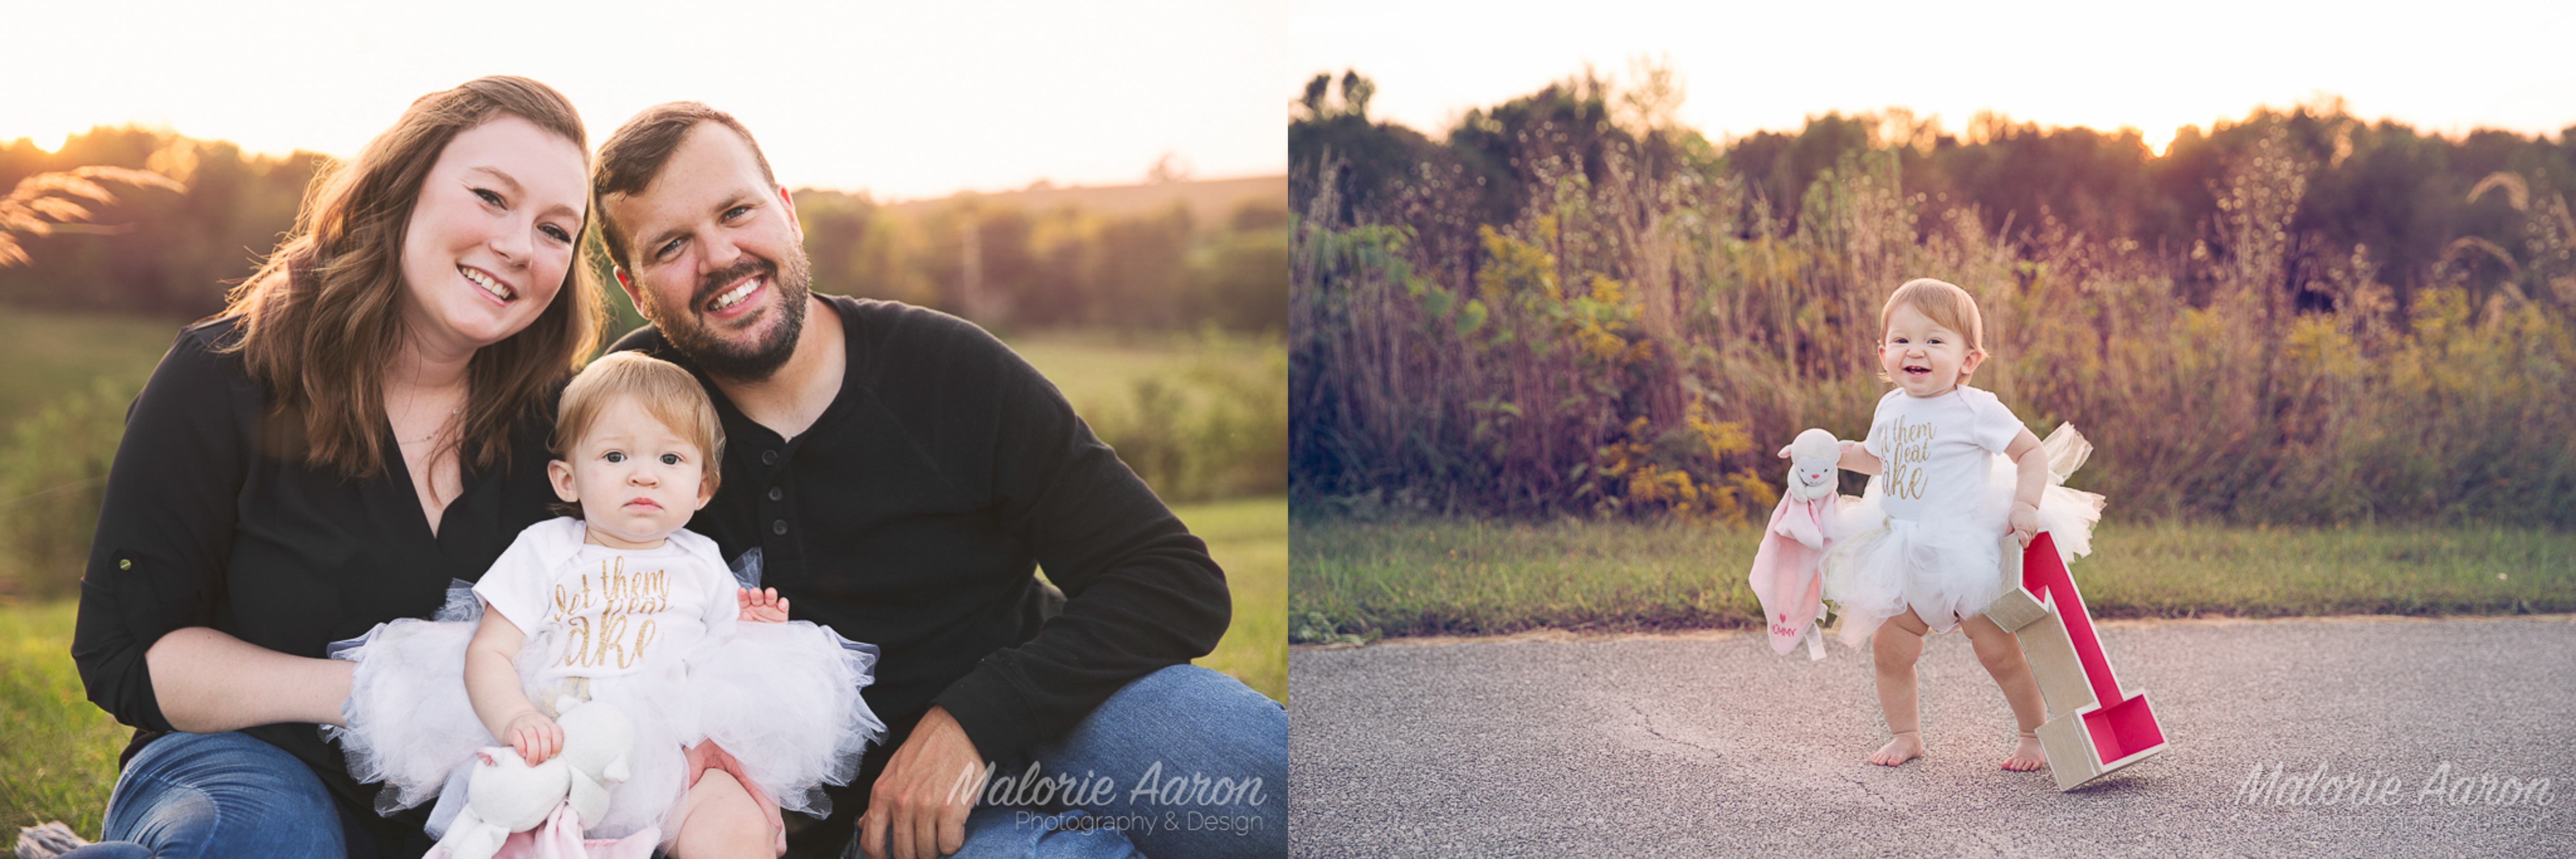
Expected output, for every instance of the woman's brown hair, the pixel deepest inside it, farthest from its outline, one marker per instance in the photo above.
(322, 317)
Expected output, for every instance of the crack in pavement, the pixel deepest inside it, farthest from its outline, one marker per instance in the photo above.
(1650, 728)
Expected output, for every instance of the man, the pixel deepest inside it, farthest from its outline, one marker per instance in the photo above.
(901, 475)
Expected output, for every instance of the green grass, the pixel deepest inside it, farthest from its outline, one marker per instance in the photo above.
(1433, 576)
(59, 761)
(53, 355)
(1098, 370)
(1200, 417)
(1250, 540)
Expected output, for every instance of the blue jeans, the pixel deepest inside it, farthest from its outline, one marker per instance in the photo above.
(1214, 751)
(217, 795)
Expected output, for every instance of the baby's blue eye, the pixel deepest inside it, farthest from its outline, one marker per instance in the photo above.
(670, 459)
(614, 456)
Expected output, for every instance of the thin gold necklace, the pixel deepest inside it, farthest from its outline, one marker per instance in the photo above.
(442, 427)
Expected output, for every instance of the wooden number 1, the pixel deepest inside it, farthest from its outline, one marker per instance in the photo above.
(2093, 725)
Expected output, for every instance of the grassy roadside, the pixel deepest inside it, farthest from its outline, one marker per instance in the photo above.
(1471, 577)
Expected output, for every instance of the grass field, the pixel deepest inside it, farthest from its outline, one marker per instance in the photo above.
(59, 761)
(1250, 540)
(1483, 577)
(1200, 417)
(52, 355)
(1098, 370)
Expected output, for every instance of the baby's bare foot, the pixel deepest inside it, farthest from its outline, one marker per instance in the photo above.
(1907, 746)
(2027, 755)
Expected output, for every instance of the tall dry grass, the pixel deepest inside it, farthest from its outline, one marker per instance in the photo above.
(1633, 343)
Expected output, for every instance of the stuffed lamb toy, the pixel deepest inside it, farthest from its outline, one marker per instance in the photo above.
(1788, 567)
(506, 795)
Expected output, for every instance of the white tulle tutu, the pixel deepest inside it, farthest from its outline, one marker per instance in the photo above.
(782, 698)
(1950, 568)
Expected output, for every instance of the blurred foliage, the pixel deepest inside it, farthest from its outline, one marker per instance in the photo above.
(171, 253)
(1011, 268)
(53, 477)
(1198, 417)
(199, 214)
(1571, 303)
(63, 202)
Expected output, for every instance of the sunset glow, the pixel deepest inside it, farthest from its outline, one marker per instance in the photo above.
(1768, 67)
(902, 100)
(2159, 143)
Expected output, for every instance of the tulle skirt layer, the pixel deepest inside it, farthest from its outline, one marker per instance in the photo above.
(1950, 568)
(783, 699)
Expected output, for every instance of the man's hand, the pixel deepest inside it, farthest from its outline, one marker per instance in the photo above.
(762, 606)
(706, 755)
(913, 811)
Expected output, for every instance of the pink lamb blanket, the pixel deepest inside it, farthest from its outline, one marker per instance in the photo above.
(1788, 571)
(560, 838)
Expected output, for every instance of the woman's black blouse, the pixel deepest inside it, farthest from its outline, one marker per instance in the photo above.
(214, 518)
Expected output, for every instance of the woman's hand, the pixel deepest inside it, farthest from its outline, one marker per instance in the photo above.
(537, 738)
(762, 606)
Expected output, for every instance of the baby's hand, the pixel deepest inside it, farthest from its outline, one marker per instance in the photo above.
(2025, 522)
(536, 737)
(762, 606)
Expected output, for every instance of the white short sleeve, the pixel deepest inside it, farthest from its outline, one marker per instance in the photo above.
(516, 584)
(1992, 426)
(723, 609)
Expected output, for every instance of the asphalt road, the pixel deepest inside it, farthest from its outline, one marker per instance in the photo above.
(1711, 745)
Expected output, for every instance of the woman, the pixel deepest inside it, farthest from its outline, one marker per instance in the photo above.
(366, 421)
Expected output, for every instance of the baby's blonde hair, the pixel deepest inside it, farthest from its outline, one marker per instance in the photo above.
(667, 392)
(1946, 305)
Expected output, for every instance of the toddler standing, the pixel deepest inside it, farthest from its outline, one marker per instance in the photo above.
(1955, 470)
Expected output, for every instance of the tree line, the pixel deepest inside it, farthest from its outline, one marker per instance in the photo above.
(1572, 303)
(2404, 195)
(173, 251)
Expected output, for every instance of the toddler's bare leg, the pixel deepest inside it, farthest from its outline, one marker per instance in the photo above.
(2000, 651)
(1896, 646)
(721, 820)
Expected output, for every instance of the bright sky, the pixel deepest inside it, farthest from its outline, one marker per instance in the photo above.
(903, 99)
(1749, 67)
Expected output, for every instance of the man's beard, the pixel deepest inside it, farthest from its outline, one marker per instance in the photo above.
(747, 362)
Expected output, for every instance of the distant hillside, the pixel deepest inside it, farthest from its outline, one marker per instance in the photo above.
(1210, 201)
